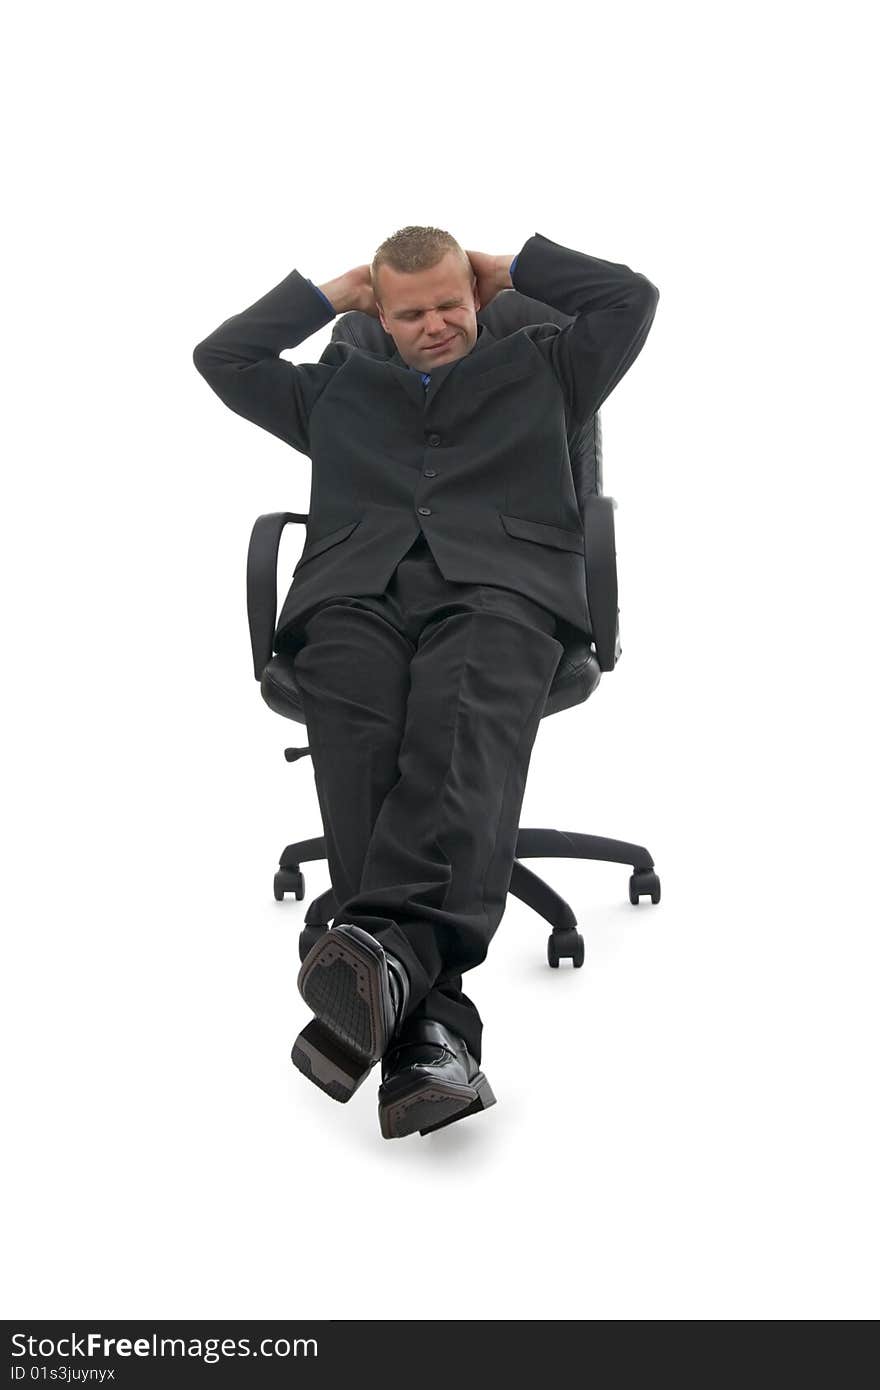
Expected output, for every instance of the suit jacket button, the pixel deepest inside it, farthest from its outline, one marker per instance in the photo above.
(433, 439)
(424, 511)
(430, 472)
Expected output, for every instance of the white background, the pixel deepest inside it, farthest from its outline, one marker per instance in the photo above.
(684, 1127)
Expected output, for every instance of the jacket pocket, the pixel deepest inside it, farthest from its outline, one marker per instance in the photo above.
(324, 542)
(545, 535)
(499, 376)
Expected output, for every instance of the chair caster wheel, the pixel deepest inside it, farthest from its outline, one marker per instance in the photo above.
(289, 881)
(642, 883)
(308, 936)
(566, 944)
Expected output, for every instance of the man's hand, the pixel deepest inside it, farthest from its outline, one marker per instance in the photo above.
(353, 290)
(493, 274)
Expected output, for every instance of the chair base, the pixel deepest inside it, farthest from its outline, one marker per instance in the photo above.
(565, 941)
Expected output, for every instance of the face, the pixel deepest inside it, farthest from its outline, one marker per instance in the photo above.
(430, 314)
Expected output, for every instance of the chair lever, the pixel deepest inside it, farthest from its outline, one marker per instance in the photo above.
(291, 754)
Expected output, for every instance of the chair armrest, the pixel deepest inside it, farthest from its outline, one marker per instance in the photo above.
(601, 564)
(262, 583)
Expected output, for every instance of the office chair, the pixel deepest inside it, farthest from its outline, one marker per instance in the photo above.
(576, 678)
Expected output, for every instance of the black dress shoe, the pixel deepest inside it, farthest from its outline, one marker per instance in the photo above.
(358, 993)
(429, 1079)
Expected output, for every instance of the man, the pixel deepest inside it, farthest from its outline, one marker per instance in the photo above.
(441, 578)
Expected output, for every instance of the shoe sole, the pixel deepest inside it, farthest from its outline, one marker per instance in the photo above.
(430, 1105)
(341, 981)
(320, 1056)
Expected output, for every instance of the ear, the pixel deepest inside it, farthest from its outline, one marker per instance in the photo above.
(373, 289)
(476, 294)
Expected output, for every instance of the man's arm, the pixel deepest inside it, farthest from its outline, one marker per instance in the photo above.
(492, 274)
(613, 307)
(240, 360)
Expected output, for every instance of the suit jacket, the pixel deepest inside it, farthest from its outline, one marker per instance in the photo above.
(479, 462)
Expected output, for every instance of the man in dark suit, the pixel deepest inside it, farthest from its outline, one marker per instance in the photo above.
(441, 579)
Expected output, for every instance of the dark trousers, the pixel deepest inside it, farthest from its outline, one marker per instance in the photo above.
(422, 705)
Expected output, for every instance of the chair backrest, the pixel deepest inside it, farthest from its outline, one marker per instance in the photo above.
(582, 662)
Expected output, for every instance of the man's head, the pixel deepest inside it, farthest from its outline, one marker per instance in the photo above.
(425, 291)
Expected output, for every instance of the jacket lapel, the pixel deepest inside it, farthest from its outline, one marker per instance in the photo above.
(412, 382)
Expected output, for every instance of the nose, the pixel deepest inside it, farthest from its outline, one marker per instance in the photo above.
(435, 326)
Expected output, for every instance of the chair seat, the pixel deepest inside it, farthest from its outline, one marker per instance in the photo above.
(576, 678)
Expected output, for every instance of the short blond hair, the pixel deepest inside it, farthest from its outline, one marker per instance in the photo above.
(416, 248)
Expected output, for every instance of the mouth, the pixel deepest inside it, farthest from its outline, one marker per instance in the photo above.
(435, 347)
